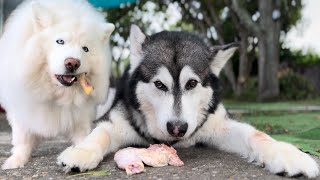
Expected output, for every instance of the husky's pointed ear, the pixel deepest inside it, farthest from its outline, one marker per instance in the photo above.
(42, 17)
(108, 29)
(137, 37)
(220, 56)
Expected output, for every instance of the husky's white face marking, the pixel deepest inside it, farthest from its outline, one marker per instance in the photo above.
(159, 106)
(194, 101)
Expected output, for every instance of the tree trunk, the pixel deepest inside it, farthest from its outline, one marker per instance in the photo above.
(244, 67)
(268, 69)
(268, 52)
(228, 71)
(268, 33)
(244, 64)
(228, 68)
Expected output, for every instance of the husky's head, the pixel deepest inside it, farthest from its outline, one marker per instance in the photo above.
(72, 38)
(174, 80)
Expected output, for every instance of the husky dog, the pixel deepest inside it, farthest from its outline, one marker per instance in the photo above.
(45, 47)
(171, 94)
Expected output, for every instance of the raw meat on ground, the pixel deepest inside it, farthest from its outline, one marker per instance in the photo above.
(157, 155)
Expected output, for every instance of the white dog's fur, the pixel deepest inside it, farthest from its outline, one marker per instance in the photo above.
(37, 105)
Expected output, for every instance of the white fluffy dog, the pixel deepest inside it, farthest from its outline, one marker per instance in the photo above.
(45, 47)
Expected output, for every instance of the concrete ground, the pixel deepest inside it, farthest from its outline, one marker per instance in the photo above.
(200, 163)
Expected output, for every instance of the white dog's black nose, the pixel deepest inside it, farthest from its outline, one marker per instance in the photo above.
(177, 128)
(72, 64)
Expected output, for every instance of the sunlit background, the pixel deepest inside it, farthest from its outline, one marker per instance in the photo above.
(305, 35)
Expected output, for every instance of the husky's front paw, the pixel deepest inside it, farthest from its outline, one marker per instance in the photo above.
(79, 158)
(14, 162)
(281, 157)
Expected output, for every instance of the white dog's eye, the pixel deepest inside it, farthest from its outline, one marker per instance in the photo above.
(85, 48)
(192, 83)
(60, 41)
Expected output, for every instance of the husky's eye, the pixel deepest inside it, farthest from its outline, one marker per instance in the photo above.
(191, 84)
(60, 41)
(85, 48)
(160, 86)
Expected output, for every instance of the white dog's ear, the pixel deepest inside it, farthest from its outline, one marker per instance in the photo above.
(108, 29)
(221, 54)
(137, 37)
(42, 17)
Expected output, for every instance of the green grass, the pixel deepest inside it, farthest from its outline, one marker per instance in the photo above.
(306, 145)
(268, 105)
(300, 129)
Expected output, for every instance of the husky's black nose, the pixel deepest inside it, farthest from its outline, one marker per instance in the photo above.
(177, 128)
(72, 64)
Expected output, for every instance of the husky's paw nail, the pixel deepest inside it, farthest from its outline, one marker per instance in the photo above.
(297, 175)
(283, 174)
(75, 169)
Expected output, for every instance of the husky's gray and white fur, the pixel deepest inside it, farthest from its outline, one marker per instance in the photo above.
(171, 94)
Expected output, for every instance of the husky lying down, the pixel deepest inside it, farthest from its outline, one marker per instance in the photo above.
(171, 94)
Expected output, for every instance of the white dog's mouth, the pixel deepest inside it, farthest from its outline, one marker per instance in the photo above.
(66, 80)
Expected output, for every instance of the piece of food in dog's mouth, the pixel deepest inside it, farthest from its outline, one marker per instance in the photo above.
(66, 80)
(133, 159)
(86, 86)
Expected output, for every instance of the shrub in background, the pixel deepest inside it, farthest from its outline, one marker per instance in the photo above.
(295, 87)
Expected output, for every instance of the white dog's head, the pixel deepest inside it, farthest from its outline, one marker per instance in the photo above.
(72, 41)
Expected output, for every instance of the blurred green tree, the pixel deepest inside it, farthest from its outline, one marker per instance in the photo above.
(259, 26)
(253, 23)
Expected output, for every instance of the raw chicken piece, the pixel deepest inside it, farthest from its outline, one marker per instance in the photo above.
(157, 155)
(86, 86)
